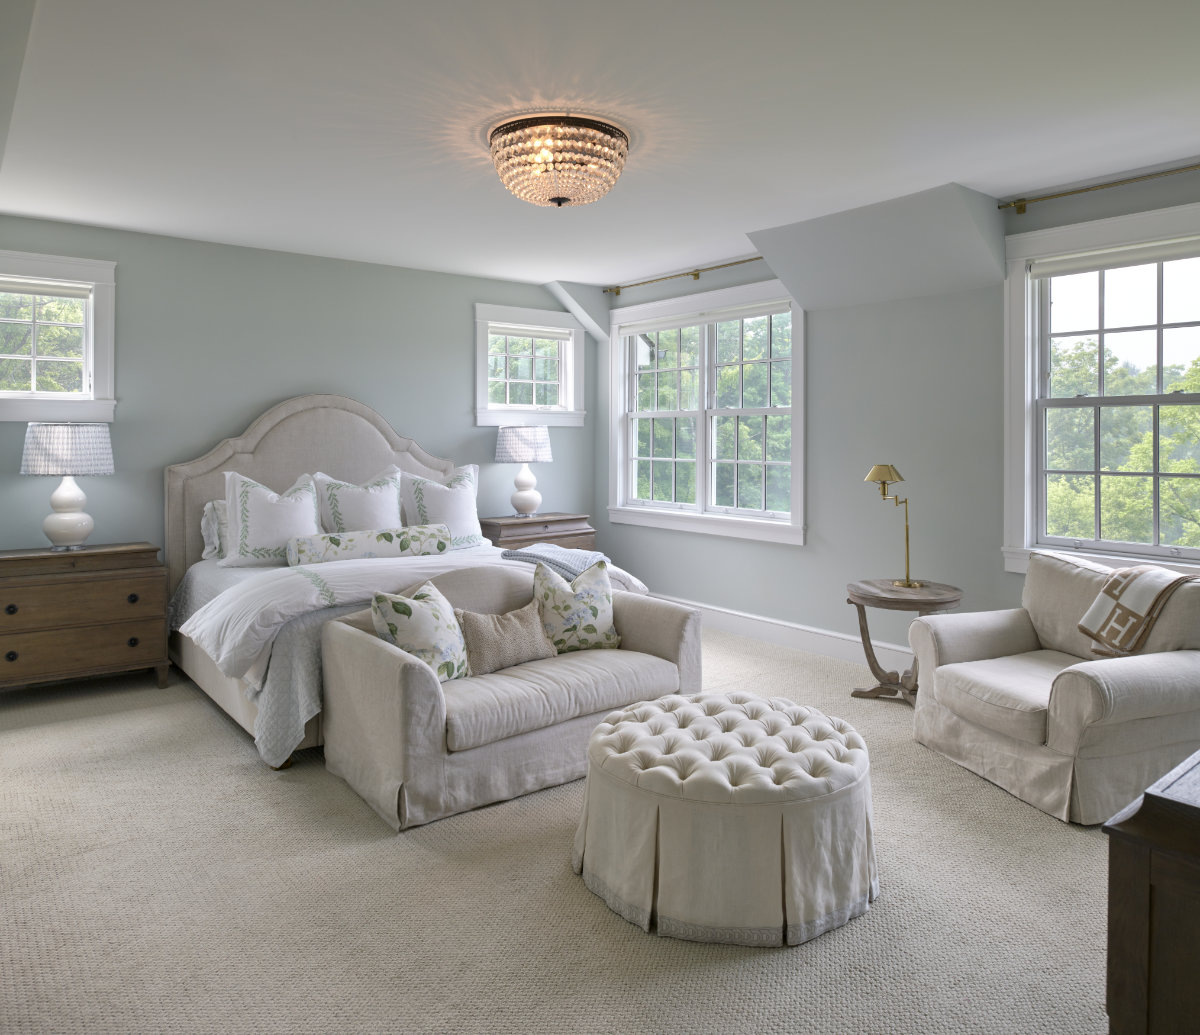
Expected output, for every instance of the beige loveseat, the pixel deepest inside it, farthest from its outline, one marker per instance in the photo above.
(418, 750)
(1019, 697)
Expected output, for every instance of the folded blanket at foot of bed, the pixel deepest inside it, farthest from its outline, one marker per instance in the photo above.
(570, 563)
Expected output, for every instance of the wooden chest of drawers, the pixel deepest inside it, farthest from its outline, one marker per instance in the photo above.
(95, 611)
(571, 531)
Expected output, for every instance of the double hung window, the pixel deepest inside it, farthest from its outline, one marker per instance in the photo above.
(706, 430)
(56, 333)
(1113, 379)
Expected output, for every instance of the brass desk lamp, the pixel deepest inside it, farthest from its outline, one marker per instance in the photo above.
(885, 474)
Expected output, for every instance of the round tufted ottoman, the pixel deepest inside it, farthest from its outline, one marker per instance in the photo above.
(728, 818)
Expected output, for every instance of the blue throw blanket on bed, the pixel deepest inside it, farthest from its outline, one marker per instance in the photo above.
(567, 563)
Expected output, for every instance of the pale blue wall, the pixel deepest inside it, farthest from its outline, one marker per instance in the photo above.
(208, 336)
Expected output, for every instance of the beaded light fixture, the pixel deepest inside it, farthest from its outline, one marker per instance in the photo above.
(558, 159)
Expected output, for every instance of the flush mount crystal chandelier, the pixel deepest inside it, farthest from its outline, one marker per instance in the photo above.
(557, 160)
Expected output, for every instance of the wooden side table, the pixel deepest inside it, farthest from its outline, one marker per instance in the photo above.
(571, 531)
(71, 613)
(882, 593)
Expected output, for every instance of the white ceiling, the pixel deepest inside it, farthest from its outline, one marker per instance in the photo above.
(355, 128)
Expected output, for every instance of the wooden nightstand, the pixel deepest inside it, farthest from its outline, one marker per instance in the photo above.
(568, 530)
(89, 612)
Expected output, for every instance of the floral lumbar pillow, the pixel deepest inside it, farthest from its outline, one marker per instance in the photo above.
(424, 625)
(450, 503)
(413, 541)
(350, 508)
(260, 522)
(576, 615)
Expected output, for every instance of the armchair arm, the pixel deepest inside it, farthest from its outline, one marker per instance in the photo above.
(945, 639)
(1113, 690)
(662, 628)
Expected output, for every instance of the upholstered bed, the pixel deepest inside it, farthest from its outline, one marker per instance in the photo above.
(278, 699)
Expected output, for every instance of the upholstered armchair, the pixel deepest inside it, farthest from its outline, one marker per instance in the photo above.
(1020, 698)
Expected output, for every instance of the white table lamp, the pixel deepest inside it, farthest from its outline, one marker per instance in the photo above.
(68, 450)
(524, 446)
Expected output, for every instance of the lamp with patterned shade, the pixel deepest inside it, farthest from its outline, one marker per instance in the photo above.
(524, 446)
(68, 450)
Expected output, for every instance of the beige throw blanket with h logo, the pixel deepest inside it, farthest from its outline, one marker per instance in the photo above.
(1124, 613)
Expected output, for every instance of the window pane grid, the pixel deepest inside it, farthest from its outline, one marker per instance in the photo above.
(42, 343)
(1119, 420)
(524, 370)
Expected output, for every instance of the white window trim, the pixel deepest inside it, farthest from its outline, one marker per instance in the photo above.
(1020, 379)
(574, 413)
(705, 305)
(101, 276)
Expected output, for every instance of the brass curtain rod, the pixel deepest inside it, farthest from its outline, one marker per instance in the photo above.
(1020, 203)
(694, 274)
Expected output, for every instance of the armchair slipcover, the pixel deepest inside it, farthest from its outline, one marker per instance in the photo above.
(1018, 696)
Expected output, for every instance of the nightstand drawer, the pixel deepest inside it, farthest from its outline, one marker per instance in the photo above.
(30, 604)
(119, 646)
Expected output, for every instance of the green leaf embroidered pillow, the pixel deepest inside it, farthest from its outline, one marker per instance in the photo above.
(424, 625)
(261, 522)
(576, 615)
(413, 541)
(351, 508)
(450, 503)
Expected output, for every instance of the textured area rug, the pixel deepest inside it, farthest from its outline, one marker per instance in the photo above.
(156, 876)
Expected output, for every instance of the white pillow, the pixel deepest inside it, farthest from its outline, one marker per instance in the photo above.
(214, 528)
(355, 508)
(425, 626)
(576, 615)
(450, 503)
(413, 541)
(261, 522)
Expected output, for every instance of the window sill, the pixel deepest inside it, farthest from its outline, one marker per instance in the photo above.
(1016, 559)
(98, 411)
(709, 524)
(530, 417)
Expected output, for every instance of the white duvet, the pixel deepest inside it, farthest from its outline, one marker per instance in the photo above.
(238, 626)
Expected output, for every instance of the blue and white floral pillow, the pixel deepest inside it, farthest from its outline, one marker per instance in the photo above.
(424, 625)
(576, 615)
(413, 541)
(450, 503)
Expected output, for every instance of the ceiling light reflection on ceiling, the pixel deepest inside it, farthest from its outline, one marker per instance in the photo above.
(557, 160)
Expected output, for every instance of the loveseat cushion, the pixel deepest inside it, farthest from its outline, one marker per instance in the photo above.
(1008, 695)
(483, 709)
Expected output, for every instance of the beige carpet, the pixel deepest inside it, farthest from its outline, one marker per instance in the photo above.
(156, 877)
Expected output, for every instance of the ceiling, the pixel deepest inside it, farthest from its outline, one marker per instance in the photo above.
(356, 128)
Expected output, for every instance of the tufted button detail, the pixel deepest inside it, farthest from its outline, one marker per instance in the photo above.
(729, 748)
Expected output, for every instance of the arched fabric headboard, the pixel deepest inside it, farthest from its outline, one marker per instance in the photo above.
(341, 437)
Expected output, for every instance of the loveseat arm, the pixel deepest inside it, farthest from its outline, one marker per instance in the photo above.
(384, 712)
(1115, 690)
(662, 628)
(946, 639)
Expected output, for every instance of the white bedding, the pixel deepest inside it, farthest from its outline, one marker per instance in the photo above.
(264, 625)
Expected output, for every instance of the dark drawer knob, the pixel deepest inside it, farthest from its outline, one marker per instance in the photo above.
(12, 609)
(11, 656)
(132, 598)
(133, 641)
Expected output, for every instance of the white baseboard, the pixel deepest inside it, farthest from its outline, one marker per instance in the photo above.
(802, 637)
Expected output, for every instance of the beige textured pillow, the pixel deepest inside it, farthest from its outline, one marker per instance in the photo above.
(501, 641)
